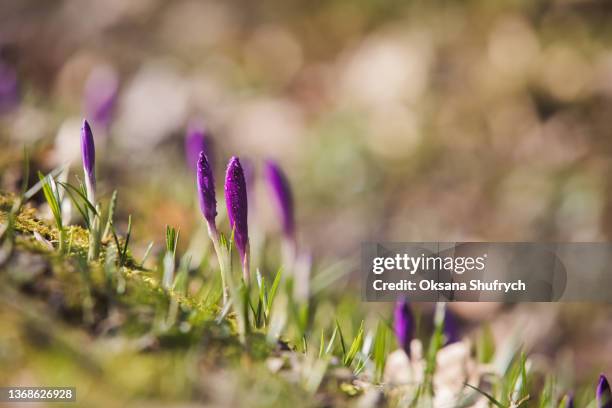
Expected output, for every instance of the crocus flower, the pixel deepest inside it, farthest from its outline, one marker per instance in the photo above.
(88, 152)
(603, 394)
(403, 324)
(196, 141)
(206, 193)
(9, 88)
(451, 328)
(101, 90)
(281, 193)
(237, 211)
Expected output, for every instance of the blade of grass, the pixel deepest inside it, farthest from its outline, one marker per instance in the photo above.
(80, 194)
(330, 345)
(111, 214)
(355, 346)
(37, 187)
(380, 350)
(146, 254)
(342, 343)
(127, 241)
(488, 396)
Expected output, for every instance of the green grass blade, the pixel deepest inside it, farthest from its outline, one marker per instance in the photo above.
(342, 343)
(380, 349)
(322, 344)
(49, 188)
(80, 194)
(273, 290)
(330, 345)
(127, 241)
(146, 254)
(355, 346)
(488, 396)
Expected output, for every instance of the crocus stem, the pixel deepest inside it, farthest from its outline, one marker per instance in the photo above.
(246, 267)
(214, 237)
(94, 236)
(89, 189)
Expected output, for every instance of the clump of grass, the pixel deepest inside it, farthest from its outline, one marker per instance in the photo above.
(51, 192)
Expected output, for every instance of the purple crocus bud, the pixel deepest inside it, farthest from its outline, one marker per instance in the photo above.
(206, 192)
(281, 193)
(237, 211)
(196, 141)
(100, 96)
(88, 152)
(451, 327)
(9, 88)
(603, 394)
(403, 324)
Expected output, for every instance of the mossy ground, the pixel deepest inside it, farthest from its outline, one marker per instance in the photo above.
(118, 336)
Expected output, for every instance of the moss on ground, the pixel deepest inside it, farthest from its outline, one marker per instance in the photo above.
(114, 332)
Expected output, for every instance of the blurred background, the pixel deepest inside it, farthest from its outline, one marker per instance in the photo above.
(395, 120)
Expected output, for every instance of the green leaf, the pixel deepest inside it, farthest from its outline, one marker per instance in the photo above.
(36, 187)
(330, 345)
(127, 241)
(322, 343)
(342, 343)
(355, 346)
(146, 254)
(485, 347)
(273, 289)
(52, 196)
(111, 214)
(487, 396)
(380, 349)
(72, 189)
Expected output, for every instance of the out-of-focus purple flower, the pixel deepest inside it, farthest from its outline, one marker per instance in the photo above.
(9, 88)
(403, 324)
(569, 400)
(237, 210)
(603, 394)
(206, 192)
(88, 152)
(281, 193)
(101, 90)
(197, 140)
(451, 327)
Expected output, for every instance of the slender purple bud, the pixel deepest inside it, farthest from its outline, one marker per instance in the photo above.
(196, 141)
(206, 192)
(403, 324)
(281, 193)
(100, 97)
(451, 327)
(237, 210)
(88, 152)
(603, 394)
(9, 88)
